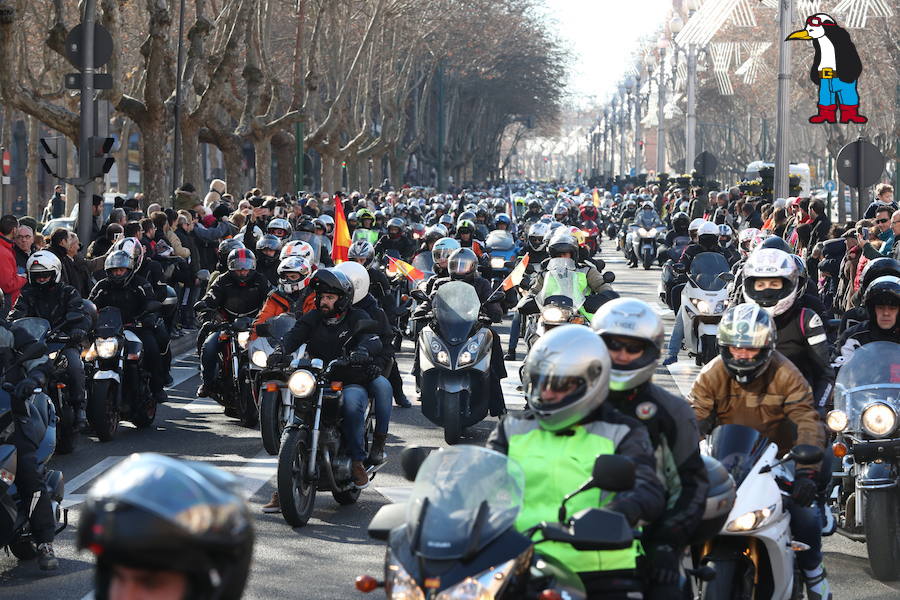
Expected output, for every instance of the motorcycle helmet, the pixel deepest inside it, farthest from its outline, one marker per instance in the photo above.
(280, 228)
(504, 219)
(773, 241)
(563, 387)
(535, 206)
(465, 226)
(329, 223)
(708, 235)
(380, 217)
(119, 259)
(318, 226)
(883, 291)
(358, 276)
(802, 274)
(768, 263)
(746, 325)
(462, 264)
(159, 513)
(693, 227)
(560, 211)
(299, 248)
(269, 242)
(364, 214)
(361, 250)
(333, 281)
(135, 250)
(442, 250)
(395, 227)
(562, 242)
(876, 268)
(43, 264)
(647, 206)
(725, 235)
(290, 265)
(351, 219)
(225, 248)
(745, 238)
(536, 234)
(433, 234)
(588, 212)
(241, 259)
(758, 240)
(636, 320)
(680, 221)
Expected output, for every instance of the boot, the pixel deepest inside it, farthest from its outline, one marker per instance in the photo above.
(511, 355)
(827, 114)
(402, 401)
(817, 587)
(274, 505)
(376, 452)
(81, 422)
(849, 114)
(46, 557)
(358, 474)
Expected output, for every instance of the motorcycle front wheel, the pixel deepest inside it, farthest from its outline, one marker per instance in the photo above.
(882, 543)
(249, 411)
(66, 436)
(270, 423)
(709, 349)
(103, 409)
(296, 492)
(144, 407)
(450, 407)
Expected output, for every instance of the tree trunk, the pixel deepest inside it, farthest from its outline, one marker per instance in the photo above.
(121, 157)
(328, 176)
(231, 154)
(397, 168)
(35, 202)
(263, 148)
(190, 155)
(284, 151)
(153, 161)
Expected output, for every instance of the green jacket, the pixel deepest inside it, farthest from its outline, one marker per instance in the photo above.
(556, 464)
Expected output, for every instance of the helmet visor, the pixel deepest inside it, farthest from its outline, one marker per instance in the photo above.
(551, 391)
(461, 265)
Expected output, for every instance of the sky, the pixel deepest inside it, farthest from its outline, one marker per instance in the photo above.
(601, 35)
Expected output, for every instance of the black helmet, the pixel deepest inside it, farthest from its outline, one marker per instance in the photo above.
(462, 264)
(333, 281)
(884, 291)
(746, 325)
(120, 259)
(241, 259)
(773, 241)
(680, 221)
(876, 268)
(159, 513)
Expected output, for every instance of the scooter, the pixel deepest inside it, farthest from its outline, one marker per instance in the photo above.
(753, 555)
(644, 244)
(703, 301)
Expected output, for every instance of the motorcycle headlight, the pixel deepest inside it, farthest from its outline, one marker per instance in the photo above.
(836, 420)
(243, 339)
(555, 314)
(498, 262)
(471, 352)
(259, 358)
(879, 419)
(438, 352)
(399, 584)
(53, 355)
(751, 520)
(484, 586)
(701, 305)
(106, 347)
(302, 383)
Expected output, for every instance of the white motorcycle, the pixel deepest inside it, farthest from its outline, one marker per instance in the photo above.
(754, 556)
(703, 300)
(644, 244)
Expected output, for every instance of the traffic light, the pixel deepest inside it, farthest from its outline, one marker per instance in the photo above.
(343, 164)
(53, 156)
(101, 161)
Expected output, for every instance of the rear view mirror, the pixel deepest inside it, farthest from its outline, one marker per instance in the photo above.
(678, 267)
(411, 459)
(592, 529)
(807, 454)
(387, 518)
(419, 295)
(729, 277)
(609, 277)
(613, 473)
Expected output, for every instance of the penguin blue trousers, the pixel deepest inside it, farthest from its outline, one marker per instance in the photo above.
(834, 91)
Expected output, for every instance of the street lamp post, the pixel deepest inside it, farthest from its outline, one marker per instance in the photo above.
(783, 110)
(633, 84)
(623, 116)
(661, 45)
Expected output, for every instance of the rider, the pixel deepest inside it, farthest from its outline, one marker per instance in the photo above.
(45, 296)
(647, 216)
(633, 333)
(568, 424)
(753, 384)
(395, 240)
(325, 332)
(563, 244)
(534, 213)
(133, 521)
(366, 230)
(267, 250)
(536, 252)
(882, 303)
(707, 241)
(291, 294)
(465, 233)
(124, 289)
(726, 240)
(680, 222)
(240, 292)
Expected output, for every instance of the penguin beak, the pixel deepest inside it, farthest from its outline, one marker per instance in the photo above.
(799, 35)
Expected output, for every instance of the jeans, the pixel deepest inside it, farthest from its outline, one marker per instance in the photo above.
(514, 331)
(834, 91)
(677, 335)
(209, 358)
(353, 413)
(381, 390)
(806, 527)
(75, 372)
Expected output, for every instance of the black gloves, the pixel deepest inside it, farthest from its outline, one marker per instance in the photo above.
(275, 359)
(360, 356)
(77, 335)
(665, 564)
(804, 489)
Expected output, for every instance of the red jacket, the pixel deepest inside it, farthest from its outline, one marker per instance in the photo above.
(10, 280)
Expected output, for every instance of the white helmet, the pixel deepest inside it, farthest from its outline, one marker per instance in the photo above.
(695, 224)
(634, 319)
(358, 276)
(298, 248)
(43, 263)
(282, 225)
(294, 264)
(767, 263)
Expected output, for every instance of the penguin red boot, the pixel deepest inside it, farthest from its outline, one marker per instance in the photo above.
(849, 114)
(827, 114)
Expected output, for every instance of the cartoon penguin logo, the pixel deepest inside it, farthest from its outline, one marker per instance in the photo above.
(835, 69)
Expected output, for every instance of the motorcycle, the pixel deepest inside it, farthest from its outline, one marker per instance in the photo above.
(501, 246)
(643, 242)
(592, 236)
(456, 537)
(864, 419)
(312, 455)
(236, 393)
(40, 427)
(120, 383)
(703, 301)
(276, 406)
(455, 359)
(753, 555)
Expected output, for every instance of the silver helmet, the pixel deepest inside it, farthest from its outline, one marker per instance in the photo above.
(578, 380)
(747, 326)
(636, 320)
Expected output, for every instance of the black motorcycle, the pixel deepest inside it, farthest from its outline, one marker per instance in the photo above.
(456, 538)
(120, 382)
(276, 405)
(234, 389)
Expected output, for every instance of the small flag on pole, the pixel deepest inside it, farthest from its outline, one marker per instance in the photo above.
(596, 198)
(341, 247)
(404, 268)
(515, 276)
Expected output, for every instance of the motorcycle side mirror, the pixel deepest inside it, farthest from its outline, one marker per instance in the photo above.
(243, 322)
(32, 351)
(387, 518)
(411, 459)
(419, 295)
(613, 473)
(495, 297)
(203, 274)
(263, 330)
(609, 277)
(728, 277)
(592, 529)
(678, 267)
(806, 454)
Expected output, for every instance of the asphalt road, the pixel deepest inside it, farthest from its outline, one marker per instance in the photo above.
(321, 560)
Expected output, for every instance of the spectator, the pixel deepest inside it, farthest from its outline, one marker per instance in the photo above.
(820, 225)
(895, 227)
(216, 193)
(24, 247)
(133, 229)
(96, 216)
(80, 272)
(164, 231)
(132, 208)
(39, 242)
(57, 203)
(10, 281)
(101, 245)
(885, 228)
(884, 196)
(751, 218)
(59, 245)
(185, 196)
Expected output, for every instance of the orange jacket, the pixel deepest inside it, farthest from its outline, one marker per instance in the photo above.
(277, 304)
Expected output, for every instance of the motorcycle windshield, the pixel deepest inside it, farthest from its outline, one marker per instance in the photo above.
(456, 308)
(424, 262)
(737, 447)
(464, 497)
(561, 279)
(871, 375)
(36, 328)
(312, 239)
(109, 321)
(500, 240)
(706, 268)
(280, 325)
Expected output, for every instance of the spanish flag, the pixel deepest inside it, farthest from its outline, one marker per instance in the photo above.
(410, 272)
(596, 198)
(515, 276)
(341, 245)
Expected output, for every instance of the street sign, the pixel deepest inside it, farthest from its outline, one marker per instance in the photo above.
(830, 185)
(860, 164)
(103, 46)
(705, 164)
(7, 162)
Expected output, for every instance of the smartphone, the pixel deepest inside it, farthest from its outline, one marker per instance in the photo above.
(118, 237)
(864, 234)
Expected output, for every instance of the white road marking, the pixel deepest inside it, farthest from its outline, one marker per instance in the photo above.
(684, 373)
(395, 494)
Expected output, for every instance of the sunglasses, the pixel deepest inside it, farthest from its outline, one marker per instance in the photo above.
(629, 347)
(880, 221)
